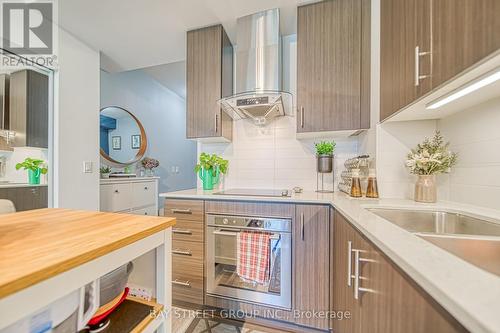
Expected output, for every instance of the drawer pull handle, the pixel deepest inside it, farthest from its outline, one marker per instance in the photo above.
(182, 283)
(182, 252)
(182, 231)
(116, 191)
(181, 211)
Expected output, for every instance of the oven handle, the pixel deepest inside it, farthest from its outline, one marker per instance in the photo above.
(234, 233)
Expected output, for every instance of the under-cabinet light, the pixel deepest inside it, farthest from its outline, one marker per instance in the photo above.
(466, 89)
(8, 135)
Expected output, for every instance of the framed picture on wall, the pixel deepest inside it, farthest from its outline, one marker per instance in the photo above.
(116, 142)
(136, 141)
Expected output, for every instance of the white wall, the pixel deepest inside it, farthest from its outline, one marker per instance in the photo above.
(76, 122)
(272, 157)
(163, 115)
(475, 136)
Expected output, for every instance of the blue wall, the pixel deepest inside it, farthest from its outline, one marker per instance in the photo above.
(163, 115)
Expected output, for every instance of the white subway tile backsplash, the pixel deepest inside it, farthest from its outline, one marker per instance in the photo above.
(474, 134)
(272, 157)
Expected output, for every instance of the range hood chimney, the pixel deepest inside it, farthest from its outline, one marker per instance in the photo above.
(258, 68)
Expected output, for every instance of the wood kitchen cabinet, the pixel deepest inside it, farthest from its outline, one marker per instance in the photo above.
(312, 263)
(187, 251)
(388, 300)
(333, 66)
(464, 32)
(26, 198)
(405, 31)
(29, 109)
(4, 101)
(425, 43)
(209, 78)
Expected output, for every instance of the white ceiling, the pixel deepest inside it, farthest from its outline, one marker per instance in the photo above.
(137, 34)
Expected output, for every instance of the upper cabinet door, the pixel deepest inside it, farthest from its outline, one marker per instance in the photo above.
(332, 63)
(209, 77)
(405, 59)
(29, 108)
(464, 32)
(312, 262)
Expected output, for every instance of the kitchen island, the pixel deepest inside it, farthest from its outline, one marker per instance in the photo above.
(469, 294)
(48, 253)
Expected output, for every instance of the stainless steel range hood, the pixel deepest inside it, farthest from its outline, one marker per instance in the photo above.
(258, 68)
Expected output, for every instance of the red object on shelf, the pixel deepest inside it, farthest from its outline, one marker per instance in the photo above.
(97, 319)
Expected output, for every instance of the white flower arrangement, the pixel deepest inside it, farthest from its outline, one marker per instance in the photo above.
(431, 157)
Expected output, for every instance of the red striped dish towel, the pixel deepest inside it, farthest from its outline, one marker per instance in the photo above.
(253, 256)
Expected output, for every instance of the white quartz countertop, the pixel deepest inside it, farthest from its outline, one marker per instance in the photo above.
(10, 185)
(469, 293)
(113, 180)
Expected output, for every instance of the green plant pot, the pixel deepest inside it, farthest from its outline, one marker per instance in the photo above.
(34, 177)
(208, 178)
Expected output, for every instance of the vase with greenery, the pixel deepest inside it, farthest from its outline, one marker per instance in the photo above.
(210, 168)
(324, 156)
(105, 171)
(428, 159)
(35, 168)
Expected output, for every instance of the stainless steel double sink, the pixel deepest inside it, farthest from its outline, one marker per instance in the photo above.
(474, 240)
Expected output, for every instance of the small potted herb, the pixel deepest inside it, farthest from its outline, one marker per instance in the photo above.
(105, 171)
(35, 168)
(428, 159)
(209, 169)
(324, 156)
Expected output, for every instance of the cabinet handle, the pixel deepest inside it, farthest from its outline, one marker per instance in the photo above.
(349, 264)
(146, 188)
(216, 123)
(302, 227)
(182, 283)
(419, 54)
(182, 252)
(302, 117)
(181, 211)
(357, 277)
(116, 191)
(182, 231)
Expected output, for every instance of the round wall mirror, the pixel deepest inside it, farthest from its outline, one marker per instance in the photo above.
(122, 138)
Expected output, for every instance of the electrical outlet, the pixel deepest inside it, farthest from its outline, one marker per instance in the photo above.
(140, 292)
(87, 167)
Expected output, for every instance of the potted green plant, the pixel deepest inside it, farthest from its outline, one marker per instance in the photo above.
(429, 158)
(35, 168)
(324, 156)
(209, 169)
(105, 171)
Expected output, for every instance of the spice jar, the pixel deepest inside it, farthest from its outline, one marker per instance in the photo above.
(372, 188)
(356, 184)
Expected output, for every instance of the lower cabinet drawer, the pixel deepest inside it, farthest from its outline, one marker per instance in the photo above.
(191, 231)
(187, 272)
(151, 211)
(187, 251)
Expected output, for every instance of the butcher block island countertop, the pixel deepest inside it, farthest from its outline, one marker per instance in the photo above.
(37, 245)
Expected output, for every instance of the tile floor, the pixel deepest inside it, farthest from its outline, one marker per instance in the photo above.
(186, 321)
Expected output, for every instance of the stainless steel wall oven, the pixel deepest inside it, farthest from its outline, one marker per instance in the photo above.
(221, 255)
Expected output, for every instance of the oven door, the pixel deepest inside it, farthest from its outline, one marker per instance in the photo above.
(223, 281)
